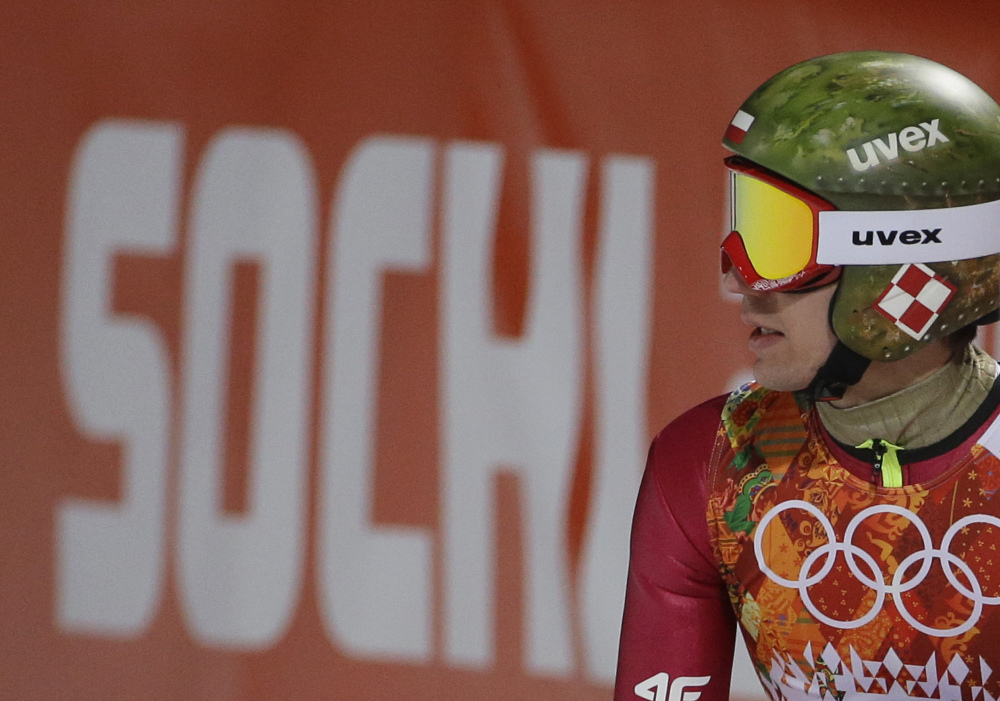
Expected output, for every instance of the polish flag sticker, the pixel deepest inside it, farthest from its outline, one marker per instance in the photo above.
(739, 127)
(914, 299)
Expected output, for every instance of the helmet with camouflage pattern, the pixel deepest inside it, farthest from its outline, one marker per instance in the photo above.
(872, 130)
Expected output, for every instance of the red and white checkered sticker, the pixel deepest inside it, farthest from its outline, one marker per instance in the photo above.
(915, 298)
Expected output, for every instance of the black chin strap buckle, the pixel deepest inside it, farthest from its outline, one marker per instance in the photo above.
(842, 369)
(827, 391)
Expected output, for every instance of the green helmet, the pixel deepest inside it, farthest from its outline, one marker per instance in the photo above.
(871, 130)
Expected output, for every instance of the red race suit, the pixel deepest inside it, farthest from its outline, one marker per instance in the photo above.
(750, 514)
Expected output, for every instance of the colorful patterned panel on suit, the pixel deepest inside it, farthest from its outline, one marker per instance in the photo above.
(845, 590)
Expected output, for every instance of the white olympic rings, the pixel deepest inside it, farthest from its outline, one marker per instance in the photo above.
(876, 582)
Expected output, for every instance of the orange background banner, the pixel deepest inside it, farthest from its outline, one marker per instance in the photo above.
(333, 334)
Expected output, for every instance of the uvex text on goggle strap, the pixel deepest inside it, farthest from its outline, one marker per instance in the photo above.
(786, 238)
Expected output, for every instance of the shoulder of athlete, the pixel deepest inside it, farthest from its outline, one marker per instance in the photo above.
(680, 453)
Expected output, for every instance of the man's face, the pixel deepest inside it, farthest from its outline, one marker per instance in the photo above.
(791, 337)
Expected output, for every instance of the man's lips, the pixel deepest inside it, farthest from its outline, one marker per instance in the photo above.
(764, 331)
(762, 336)
(761, 340)
(760, 327)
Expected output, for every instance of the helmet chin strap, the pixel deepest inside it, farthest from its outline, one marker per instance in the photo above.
(991, 318)
(843, 368)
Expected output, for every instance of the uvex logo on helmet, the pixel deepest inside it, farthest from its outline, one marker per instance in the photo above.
(914, 138)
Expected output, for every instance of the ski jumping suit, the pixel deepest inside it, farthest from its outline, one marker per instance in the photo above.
(749, 512)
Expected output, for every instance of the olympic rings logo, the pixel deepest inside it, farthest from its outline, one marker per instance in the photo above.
(852, 554)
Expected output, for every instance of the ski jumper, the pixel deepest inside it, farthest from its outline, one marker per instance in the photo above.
(750, 513)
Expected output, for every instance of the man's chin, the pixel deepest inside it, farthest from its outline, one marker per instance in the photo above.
(779, 377)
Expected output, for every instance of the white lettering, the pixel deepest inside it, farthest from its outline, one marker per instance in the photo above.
(621, 304)
(655, 688)
(679, 690)
(890, 150)
(505, 404)
(934, 134)
(375, 591)
(912, 139)
(509, 403)
(871, 158)
(123, 198)
(240, 575)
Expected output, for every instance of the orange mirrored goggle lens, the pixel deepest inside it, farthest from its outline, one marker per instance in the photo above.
(776, 227)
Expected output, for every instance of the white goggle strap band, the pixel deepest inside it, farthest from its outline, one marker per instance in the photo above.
(909, 236)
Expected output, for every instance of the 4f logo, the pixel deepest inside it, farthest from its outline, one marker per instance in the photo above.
(683, 689)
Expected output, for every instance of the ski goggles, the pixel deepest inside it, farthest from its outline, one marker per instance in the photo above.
(774, 235)
(784, 238)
